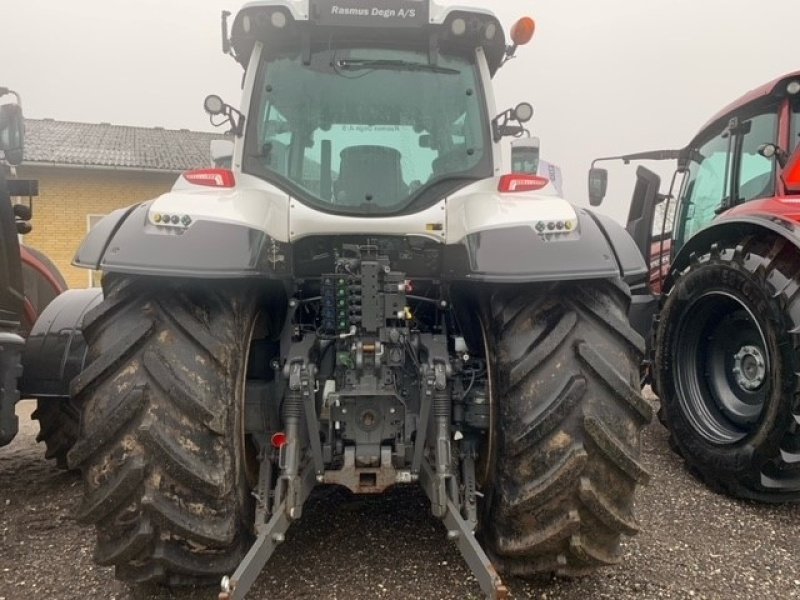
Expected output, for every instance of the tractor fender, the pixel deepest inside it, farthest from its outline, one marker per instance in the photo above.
(127, 242)
(42, 282)
(598, 248)
(95, 244)
(55, 350)
(730, 229)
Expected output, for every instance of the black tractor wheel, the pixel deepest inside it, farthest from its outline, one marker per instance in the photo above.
(727, 368)
(59, 422)
(569, 414)
(161, 445)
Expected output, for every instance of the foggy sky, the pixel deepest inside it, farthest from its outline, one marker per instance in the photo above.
(605, 76)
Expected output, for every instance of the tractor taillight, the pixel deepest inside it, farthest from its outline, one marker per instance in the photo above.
(221, 178)
(519, 182)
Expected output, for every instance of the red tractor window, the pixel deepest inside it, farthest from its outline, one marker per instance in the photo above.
(706, 185)
(757, 173)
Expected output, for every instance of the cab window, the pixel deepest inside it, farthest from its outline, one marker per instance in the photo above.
(727, 154)
(756, 173)
(706, 184)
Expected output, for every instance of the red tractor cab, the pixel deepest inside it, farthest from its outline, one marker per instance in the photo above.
(723, 243)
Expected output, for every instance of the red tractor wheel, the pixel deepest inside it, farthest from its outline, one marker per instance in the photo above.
(727, 368)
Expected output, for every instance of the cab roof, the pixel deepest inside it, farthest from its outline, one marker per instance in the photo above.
(283, 24)
(776, 88)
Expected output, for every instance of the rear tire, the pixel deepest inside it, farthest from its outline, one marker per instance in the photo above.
(735, 307)
(569, 417)
(59, 423)
(160, 444)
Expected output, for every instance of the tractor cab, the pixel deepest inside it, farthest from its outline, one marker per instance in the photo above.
(363, 111)
(743, 163)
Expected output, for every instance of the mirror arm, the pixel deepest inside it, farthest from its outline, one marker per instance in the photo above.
(497, 126)
(501, 127)
(652, 155)
(236, 119)
(233, 116)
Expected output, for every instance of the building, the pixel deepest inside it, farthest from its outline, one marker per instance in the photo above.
(86, 170)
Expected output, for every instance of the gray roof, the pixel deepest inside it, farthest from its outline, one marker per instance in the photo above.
(65, 143)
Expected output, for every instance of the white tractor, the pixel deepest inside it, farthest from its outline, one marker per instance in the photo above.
(366, 298)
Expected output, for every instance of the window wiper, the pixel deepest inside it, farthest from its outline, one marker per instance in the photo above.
(396, 65)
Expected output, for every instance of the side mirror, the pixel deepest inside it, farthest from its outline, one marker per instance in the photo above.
(525, 155)
(12, 133)
(598, 185)
(222, 153)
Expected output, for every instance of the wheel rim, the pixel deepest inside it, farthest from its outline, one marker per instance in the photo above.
(721, 367)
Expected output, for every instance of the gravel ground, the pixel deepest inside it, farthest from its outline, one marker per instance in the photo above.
(693, 544)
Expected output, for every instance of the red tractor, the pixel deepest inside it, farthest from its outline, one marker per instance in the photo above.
(29, 281)
(723, 245)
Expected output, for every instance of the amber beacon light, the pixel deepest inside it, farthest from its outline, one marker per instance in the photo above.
(522, 31)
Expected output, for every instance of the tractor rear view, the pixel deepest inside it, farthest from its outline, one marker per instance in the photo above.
(724, 251)
(367, 298)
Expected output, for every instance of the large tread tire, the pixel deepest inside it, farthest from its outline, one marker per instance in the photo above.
(569, 416)
(59, 423)
(160, 438)
(761, 273)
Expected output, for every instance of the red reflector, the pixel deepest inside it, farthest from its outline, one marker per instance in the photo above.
(519, 182)
(279, 440)
(222, 178)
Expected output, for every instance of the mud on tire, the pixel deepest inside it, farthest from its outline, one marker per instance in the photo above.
(159, 440)
(569, 413)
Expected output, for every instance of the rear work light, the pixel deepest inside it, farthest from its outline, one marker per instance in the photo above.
(220, 178)
(520, 182)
